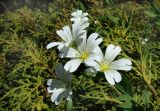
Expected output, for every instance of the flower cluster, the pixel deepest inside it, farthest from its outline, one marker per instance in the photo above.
(82, 49)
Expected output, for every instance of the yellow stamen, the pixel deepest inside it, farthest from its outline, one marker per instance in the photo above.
(104, 67)
(84, 55)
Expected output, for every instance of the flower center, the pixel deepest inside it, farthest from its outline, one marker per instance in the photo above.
(104, 67)
(84, 55)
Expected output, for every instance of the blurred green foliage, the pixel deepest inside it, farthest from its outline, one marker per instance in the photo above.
(26, 64)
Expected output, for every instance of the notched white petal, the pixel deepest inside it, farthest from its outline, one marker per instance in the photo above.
(116, 75)
(85, 14)
(56, 94)
(61, 34)
(93, 41)
(72, 65)
(65, 34)
(98, 41)
(93, 36)
(53, 44)
(50, 90)
(97, 53)
(112, 52)
(122, 64)
(59, 98)
(49, 82)
(109, 77)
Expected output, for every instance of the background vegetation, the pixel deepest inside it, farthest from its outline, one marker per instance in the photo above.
(26, 64)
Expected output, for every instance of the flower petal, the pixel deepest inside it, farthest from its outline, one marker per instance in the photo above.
(92, 37)
(97, 54)
(81, 42)
(90, 61)
(56, 94)
(85, 14)
(72, 65)
(49, 82)
(85, 20)
(84, 24)
(59, 98)
(55, 84)
(93, 42)
(62, 35)
(68, 53)
(116, 75)
(66, 94)
(65, 34)
(77, 13)
(67, 31)
(78, 27)
(109, 77)
(53, 44)
(121, 64)
(74, 14)
(111, 52)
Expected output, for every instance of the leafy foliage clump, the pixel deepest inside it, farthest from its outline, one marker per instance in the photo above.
(26, 64)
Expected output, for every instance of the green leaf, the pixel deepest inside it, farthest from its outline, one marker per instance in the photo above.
(126, 105)
(125, 87)
(69, 105)
(146, 99)
(45, 106)
(114, 19)
(80, 5)
(150, 14)
(124, 97)
(158, 23)
(39, 107)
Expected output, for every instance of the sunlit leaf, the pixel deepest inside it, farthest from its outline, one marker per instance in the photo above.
(150, 14)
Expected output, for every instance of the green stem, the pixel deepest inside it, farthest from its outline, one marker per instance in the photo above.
(104, 99)
(152, 89)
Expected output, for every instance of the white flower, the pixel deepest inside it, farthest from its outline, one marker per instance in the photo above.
(79, 15)
(110, 67)
(65, 35)
(60, 88)
(68, 37)
(88, 51)
(80, 18)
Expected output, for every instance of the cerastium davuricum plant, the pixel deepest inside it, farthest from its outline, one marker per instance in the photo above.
(82, 49)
